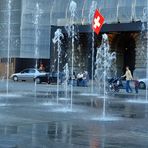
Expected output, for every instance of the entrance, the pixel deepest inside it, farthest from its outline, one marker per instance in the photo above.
(124, 45)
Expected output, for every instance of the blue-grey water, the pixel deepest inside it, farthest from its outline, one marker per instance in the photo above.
(44, 124)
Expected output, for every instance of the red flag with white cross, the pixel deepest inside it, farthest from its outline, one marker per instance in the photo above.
(97, 22)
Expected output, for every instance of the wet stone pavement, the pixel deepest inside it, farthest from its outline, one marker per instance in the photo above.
(35, 120)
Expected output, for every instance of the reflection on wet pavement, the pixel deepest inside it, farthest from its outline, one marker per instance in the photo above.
(27, 121)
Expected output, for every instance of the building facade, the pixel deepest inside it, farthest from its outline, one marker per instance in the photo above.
(27, 28)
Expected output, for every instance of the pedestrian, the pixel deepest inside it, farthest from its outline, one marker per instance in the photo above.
(72, 79)
(42, 68)
(80, 79)
(85, 79)
(136, 83)
(128, 77)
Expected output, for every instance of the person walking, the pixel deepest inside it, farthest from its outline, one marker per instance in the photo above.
(129, 77)
(136, 83)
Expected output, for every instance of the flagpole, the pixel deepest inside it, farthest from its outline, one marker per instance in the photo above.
(92, 64)
(97, 23)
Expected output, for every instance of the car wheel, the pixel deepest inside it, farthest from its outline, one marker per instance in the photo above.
(15, 78)
(37, 80)
(48, 81)
(142, 85)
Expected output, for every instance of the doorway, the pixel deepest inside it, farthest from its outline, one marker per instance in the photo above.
(124, 45)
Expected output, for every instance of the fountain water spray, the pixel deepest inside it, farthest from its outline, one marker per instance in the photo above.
(104, 64)
(91, 13)
(144, 30)
(92, 9)
(71, 32)
(57, 40)
(72, 9)
(8, 49)
(66, 78)
(145, 20)
(147, 65)
(65, 83)
(36, 23)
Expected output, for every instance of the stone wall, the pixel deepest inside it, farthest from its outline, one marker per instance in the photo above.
(3, 68)
(141, 55)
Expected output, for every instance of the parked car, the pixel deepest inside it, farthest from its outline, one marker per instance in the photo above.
(48, 77)
(143, 83)
(30, 74)
(51, 77)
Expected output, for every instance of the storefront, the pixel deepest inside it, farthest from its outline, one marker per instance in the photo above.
(126, 39)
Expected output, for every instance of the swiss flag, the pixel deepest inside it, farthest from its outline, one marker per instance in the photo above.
(97, 22)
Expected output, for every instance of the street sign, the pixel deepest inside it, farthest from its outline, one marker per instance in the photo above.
(97, 22)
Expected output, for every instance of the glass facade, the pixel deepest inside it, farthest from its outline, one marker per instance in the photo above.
(114, 11)
(26, 35)
(35, 22)
(10, 16)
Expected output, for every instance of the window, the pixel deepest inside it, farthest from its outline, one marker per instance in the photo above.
(31, 71)
(25, 71)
